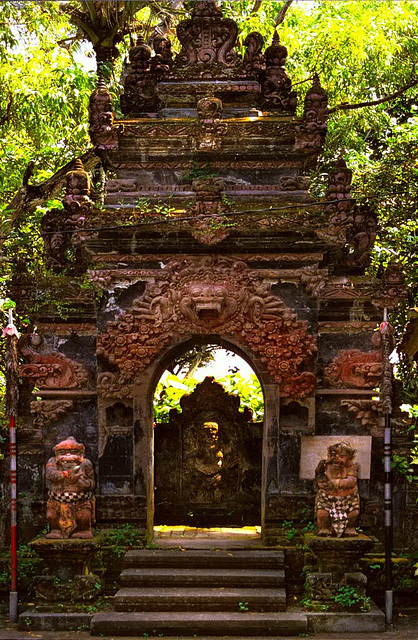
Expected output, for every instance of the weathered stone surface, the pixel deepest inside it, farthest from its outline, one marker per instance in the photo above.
(338, 622)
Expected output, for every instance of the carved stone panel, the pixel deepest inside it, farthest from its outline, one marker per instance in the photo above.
(208, 461)
(206, 295)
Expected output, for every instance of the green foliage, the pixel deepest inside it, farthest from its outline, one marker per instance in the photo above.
(243, 606)
(171, 388)
(347, 597)
(126, 535)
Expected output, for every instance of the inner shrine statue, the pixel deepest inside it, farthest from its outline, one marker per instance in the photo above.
(337, 504)
(70, 479)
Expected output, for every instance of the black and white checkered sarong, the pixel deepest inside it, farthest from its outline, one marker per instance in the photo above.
(338, 509)
(70, 496)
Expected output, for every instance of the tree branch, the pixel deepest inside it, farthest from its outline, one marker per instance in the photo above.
(282, 13)
(344, 106)
(30, 196)
(256, 7)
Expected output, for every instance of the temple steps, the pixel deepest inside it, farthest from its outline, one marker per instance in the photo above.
(187, 592)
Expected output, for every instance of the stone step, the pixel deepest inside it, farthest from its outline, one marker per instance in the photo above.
(161, 577)
(196, 558)
(199, 623)
(199, 599)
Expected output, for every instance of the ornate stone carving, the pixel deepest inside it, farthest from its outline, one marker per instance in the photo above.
(210, 226)
(110, 386)
(162, 61)
(140, 95)
(70, 479)
(276, 85)
(51, 369)
(339, 192)
(361, 237)
(207, 43)
(102, 130)
(57, 224)
(209, 130)
(196, 296)
(337, 504)
(357, 369)
(311, 132)
(254, 60)
(367, 412)
(47, 411)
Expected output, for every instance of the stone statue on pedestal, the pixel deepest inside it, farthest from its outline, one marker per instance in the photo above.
(70, 478)
(337, 504)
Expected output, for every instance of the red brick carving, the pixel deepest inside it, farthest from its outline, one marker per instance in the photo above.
(50, 370)
(204, 295)
(356, 369)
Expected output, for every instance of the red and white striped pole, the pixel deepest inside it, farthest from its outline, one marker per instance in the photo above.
(12, 396)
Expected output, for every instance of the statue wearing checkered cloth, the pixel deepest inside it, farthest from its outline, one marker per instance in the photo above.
(337, 504)
(70, 478)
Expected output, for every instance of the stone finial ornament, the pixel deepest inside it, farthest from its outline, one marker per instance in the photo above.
(70, 479)
(140, 95)
(276, 85)
(337, 504)
(101, 118)
(310, 134)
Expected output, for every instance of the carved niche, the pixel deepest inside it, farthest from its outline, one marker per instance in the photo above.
(354, 369)
(203, 295)
(208, 459)
(50, 369)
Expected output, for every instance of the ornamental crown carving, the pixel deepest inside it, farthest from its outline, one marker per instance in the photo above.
(355, 369)
(203, 295)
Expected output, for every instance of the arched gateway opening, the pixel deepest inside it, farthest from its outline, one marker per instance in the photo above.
(208, 436)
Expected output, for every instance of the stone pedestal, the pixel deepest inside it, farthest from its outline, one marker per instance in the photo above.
(338, 585)
(67, 577)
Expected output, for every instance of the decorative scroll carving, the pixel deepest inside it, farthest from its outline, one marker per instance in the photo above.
(103, 132)
(47, 411)
(209, 130)
(207, 42)
(50, 370)
(276, 85)
(140, 95)
(110, 386)
(358, 369)
(202, 294)
(56, 224)
(254, 60)
(368, 413)
(311, 132)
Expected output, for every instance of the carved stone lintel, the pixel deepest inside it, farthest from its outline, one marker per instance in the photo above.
(50, 370)
(356, 369)
(196, 295)
(103, 132)
(311, 132)
(276, 85)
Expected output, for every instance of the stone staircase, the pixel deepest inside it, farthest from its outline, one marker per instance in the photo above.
(225, 592)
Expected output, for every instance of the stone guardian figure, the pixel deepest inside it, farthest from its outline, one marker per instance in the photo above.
(337, 504)
(70, 480)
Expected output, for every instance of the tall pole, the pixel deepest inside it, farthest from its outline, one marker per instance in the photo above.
(12, 397)
(386, 401)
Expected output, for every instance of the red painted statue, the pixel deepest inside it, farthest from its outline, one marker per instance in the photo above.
(70, 479)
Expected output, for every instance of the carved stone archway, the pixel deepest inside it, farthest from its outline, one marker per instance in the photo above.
(209, 299)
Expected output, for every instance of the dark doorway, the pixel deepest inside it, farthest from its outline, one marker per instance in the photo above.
(207, 459)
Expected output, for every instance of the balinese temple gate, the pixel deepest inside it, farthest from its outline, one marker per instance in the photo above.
(207, 235)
